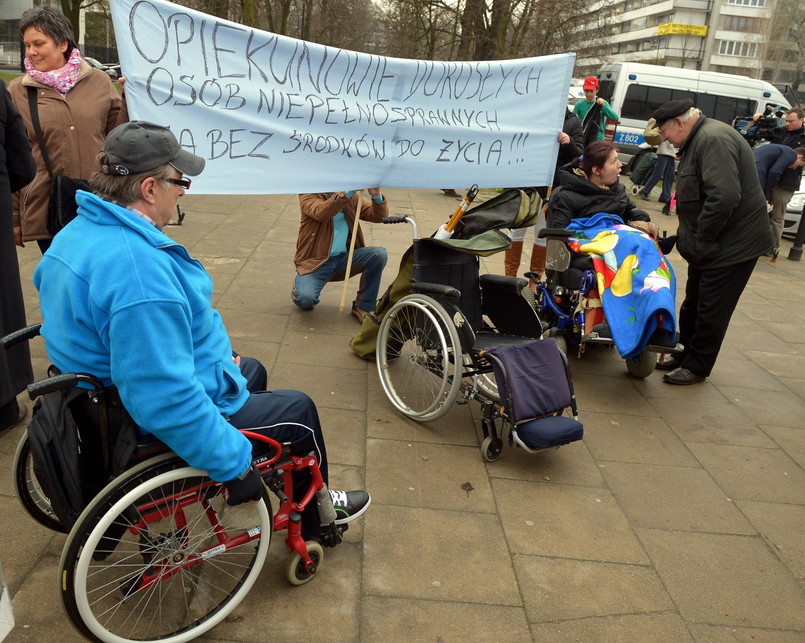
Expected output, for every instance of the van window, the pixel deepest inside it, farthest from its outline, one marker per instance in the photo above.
(641, 100)
(725, 108)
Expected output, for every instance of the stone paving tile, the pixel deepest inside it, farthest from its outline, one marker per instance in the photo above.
(38, 612)
(748, 473)
(345, 435)
(714, 421)
(749, 370)
(559, 590)
(678, 498)
(397, 619)
(465, 560)
(600, 395)
(726, 634)
(792, 441)
(564, 521)
(642, 628)
(609, 436)
(422, 474)
(726, 579)
(324, 609)
(781, 526)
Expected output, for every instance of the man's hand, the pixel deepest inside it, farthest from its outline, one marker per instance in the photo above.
(374, 191)
(600, 101)
(18, 236)
(564, 139)
(247, 488)
(651, 229)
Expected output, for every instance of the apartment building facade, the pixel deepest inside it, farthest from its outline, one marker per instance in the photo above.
(728, 36)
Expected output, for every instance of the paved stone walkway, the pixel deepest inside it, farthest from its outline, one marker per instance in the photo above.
(679, 517)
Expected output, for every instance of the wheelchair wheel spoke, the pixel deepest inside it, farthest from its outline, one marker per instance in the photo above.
(174, 558)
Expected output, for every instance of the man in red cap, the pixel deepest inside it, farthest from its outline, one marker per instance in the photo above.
(593, 111)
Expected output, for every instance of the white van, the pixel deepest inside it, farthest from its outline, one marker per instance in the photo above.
(635, 90)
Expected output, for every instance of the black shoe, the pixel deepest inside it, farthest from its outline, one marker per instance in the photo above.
(682, 376)
(662, 200)
(643, 196)
(670, 363)
(349, 505)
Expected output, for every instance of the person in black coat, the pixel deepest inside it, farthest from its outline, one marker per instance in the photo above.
(17, 169)
(590, 185)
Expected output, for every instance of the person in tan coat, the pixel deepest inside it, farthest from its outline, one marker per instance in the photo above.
(322, 247)
(77, 105)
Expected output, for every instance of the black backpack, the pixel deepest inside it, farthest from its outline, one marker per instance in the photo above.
(72, 465)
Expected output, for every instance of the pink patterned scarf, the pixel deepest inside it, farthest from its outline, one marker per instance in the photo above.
(62, 80)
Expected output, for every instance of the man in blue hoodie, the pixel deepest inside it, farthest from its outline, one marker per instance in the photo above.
(124, 302)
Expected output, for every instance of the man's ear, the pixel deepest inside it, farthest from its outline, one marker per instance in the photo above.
(147, 188)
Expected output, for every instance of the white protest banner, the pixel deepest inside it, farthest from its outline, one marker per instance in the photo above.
(274, 115)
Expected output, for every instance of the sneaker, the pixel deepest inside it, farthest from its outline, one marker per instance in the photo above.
(349, 505)
(774, 256)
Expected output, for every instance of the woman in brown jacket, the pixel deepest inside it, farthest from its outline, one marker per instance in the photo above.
(78, 106)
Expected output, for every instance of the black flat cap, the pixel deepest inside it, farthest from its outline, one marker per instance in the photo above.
(671, 110)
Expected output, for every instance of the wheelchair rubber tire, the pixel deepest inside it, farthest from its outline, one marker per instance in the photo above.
(419, 358)
(491, 449)
(31, 495)
(643, 365)
(183, 600)
(295, 572)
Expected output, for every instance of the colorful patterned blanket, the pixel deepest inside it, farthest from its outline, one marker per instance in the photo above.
(635, 281)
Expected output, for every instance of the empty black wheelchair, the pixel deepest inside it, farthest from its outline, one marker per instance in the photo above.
(447, 341)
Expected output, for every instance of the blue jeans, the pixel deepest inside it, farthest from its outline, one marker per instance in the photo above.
(663, 169)
(370, 261)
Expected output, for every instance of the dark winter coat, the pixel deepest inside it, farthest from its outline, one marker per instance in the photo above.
(572, 150)
(723, 219)
(579, 198)
(17, 168)
(791, 177)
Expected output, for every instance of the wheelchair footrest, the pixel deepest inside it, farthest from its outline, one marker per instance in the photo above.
(595, 338)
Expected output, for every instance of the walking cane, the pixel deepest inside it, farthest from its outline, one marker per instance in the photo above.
(351, 250)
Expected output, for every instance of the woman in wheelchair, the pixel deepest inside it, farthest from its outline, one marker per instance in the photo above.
(589, 185)
(635, 282)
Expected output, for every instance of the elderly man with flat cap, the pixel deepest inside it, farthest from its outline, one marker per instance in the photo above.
(124, 302)
(723, 229)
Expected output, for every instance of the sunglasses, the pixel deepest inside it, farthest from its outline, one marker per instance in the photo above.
(183, 183)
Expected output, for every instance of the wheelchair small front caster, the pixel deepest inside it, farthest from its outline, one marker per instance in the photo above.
(635, 189)
(491, 449)
(296, 571)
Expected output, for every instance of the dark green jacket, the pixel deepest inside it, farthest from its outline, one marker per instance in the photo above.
(723, 218)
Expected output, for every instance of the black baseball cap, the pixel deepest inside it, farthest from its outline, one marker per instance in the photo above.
(139, 146)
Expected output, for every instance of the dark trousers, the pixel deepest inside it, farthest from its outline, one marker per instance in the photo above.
(710, 299)
(286, 416)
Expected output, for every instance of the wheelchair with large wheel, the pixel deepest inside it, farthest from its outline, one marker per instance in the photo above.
(157, 553)
(439, 344)
(569, 302)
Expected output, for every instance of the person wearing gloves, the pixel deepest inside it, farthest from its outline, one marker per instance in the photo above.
(124, 302)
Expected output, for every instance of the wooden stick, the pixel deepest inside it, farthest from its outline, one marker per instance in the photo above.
(351, 250)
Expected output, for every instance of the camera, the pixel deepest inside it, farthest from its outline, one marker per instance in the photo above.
(761, 130)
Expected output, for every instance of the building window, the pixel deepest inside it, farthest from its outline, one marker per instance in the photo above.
(748, 3)
(737, 48)
(742, 23)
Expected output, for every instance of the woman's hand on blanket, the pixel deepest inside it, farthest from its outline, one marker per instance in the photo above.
(651, 229)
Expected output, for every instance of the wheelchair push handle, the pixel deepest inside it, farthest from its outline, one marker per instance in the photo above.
(21, 335)
(401, 218)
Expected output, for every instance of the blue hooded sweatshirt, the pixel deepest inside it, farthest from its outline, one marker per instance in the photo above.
(122, 301)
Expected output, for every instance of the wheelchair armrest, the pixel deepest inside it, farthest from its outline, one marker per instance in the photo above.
(59, 382)
(436, 290)
(511, 285)
(555, 232)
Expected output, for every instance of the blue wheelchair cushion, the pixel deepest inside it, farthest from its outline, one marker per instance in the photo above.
(550, 431)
